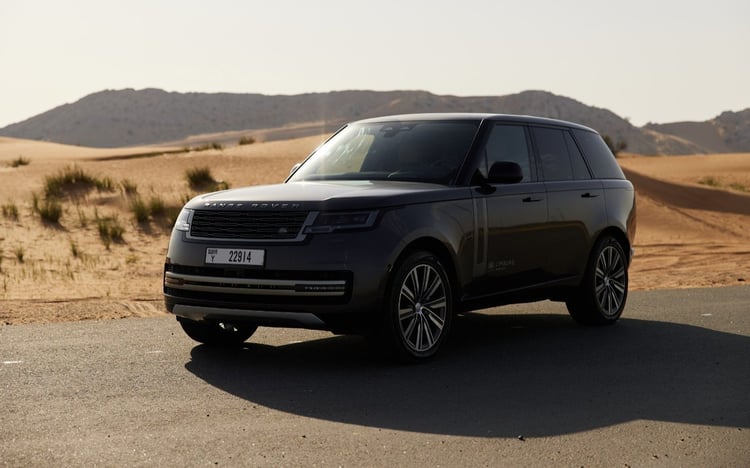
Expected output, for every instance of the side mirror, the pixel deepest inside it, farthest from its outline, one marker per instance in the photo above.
(505, 172)
(294, 169)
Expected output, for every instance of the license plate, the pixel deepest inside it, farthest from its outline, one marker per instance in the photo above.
(251, 257)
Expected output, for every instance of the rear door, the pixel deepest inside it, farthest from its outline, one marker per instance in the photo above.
(575, 202)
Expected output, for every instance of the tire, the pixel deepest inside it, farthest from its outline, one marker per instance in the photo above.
(419, 308)
(601, 297)
(216, 334)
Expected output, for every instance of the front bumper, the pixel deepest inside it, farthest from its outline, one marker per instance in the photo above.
(299, 285)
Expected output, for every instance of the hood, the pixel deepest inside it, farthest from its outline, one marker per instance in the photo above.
(328, 195)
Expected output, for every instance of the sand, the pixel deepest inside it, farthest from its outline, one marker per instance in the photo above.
(693, 223)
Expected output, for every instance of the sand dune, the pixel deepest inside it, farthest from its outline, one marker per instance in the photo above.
(13, 148)
(689, 233)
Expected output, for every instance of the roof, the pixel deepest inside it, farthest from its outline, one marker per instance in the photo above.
(475, 117)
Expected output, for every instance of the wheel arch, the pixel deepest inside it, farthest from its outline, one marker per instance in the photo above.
(443, 253)
(620, 237)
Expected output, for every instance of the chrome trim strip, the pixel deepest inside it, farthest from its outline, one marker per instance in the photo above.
(254, 286)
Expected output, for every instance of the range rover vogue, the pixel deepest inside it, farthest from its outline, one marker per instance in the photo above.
(396, 224)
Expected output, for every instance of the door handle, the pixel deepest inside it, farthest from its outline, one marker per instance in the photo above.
(531, 200)
(589, 195)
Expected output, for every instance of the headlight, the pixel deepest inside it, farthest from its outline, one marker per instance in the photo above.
(338, 221)
(183, 220)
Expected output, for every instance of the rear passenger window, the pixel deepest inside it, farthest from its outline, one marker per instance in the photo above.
(559, 155)
(508, 143)
(600, 158)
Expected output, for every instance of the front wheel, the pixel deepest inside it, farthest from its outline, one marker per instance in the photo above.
(218, 334)
(600, 299)
(419, 308)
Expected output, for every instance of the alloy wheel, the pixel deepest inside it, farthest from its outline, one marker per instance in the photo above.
(610, 281)
(422, 308)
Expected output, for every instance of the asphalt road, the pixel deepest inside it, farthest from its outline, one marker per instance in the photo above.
(518, 386)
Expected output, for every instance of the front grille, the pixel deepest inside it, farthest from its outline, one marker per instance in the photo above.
(247, 224)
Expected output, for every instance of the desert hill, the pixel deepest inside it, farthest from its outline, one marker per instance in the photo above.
(729, 132)
(117, 118)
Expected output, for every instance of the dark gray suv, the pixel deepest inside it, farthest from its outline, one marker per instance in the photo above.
(396, 224)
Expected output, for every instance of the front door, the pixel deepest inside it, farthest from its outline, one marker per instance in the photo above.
(509, 218)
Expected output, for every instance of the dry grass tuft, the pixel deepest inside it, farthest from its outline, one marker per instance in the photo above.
(19, 161)
(129, 188)
(200, 179)
(49, 210)
(74, 182)
(10, 211)
(110, 229)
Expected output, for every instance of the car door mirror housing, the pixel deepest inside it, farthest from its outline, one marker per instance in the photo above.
(505, 172)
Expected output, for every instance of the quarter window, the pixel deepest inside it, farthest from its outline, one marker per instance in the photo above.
(580, 171)
(599, 157)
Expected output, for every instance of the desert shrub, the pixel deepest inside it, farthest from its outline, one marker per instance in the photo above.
(74, 182)
(246, 140)
(738, 187)
(710, 181)
(19, 161)
(110, 230)
(83, 220)
(116, 231)
(156, 206)
(615, 146)
(49, 210)
(104, 185)
(129, 188)
(74, 250)
(207, 146)
(20, 254)
(201, 179)
(10, 211)
(140, 210)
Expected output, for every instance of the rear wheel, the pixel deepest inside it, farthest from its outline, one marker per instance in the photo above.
(216, 333)
(601, 297)
(419, 307)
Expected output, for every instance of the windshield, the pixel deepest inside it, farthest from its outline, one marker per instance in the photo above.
(427, 151)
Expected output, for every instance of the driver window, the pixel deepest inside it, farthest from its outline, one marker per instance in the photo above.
(508, 143)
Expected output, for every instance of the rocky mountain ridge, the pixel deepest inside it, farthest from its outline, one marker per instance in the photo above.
(128, 117)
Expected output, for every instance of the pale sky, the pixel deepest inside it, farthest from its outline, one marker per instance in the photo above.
(653, 60)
